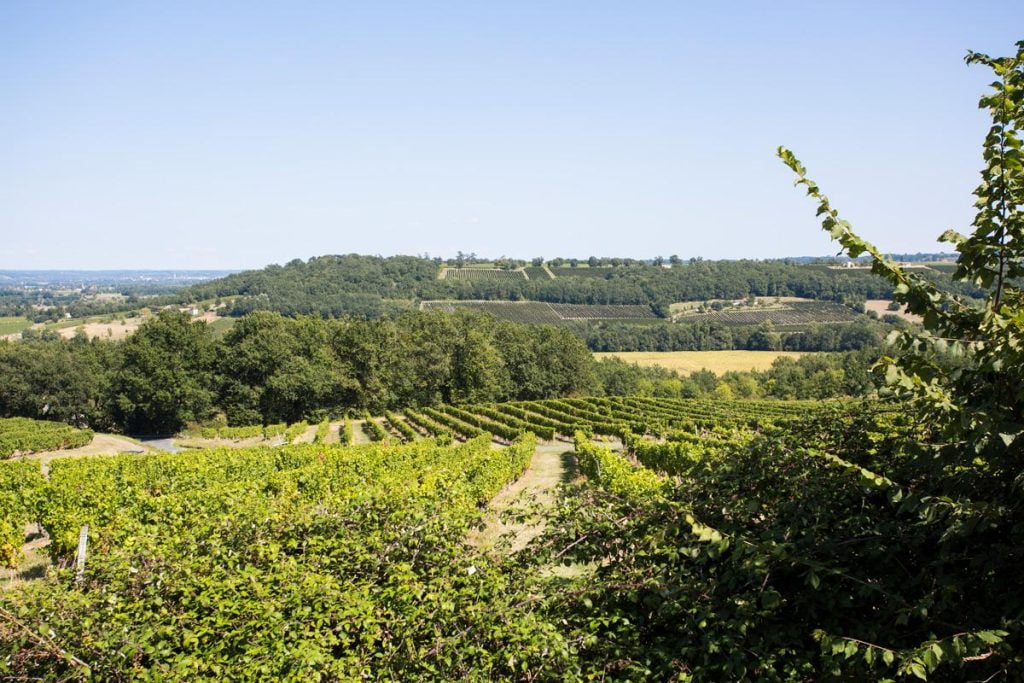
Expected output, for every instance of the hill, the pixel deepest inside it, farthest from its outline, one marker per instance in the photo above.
(370, 285)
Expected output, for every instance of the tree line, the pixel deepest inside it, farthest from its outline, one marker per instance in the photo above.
(272, 368)
(715, 336)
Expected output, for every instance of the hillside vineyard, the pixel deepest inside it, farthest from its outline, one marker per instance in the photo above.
(342, 474)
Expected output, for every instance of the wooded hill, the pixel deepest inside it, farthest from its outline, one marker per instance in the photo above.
(369, 285)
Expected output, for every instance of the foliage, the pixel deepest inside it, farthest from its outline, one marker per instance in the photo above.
(271, 369)
(966, 370)
(784, 557)
(23, 435)
(322, 430)
(304, 563)
(373, 430)
(21, 492)
(162, 382)
(711, 335)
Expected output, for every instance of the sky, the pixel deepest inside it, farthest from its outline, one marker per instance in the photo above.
(233, 135)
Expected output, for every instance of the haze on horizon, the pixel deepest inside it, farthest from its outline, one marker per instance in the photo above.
(229, 135)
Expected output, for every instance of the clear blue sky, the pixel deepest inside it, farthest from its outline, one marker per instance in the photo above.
(231, 135)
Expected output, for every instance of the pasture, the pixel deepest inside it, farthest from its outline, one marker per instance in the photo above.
(13, 324)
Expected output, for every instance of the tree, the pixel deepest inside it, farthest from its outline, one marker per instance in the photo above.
(165, 379)
(978, 401)
(479, 370)
(960, 378)
(765, 338)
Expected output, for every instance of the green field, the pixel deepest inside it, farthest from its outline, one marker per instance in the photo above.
(220, 326)
(13, 324)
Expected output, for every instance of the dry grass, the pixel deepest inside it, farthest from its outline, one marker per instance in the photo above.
(101, 444)
(197, 442)
(551, 465)
(881, 307)
(112, 330)
(685, 362)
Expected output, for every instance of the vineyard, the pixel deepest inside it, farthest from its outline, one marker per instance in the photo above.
(537, 273)
(948, 268)
(602, 273)
(602, 312)
(550, 419)
(790, 314)
(477, 274)
(331, 561)
(20, 435)
(538, 312)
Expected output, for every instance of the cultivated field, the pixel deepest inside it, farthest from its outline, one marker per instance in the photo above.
(602, 312)
(477, 274)
(602, 273)
(942, 266)
(117, 329)
(13, 325)
(783, 312)
(539, 312)
(685, 362)
(22, 435)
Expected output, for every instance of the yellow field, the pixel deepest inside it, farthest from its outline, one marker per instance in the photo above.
(685, 362)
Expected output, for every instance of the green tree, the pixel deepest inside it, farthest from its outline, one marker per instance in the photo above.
(166, 378)
(980, 400)
(961, 378)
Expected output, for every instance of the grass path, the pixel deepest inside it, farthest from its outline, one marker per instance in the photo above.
(552, 464)
(358, 435)
(308, 435)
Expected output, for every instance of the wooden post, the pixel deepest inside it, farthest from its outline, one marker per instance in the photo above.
(83, 542)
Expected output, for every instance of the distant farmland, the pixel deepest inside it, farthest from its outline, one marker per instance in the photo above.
(685, 362)
(602, 312)
(538, 312)
(787, 314)
(477, 274)
(13, 324)
(603, 272)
